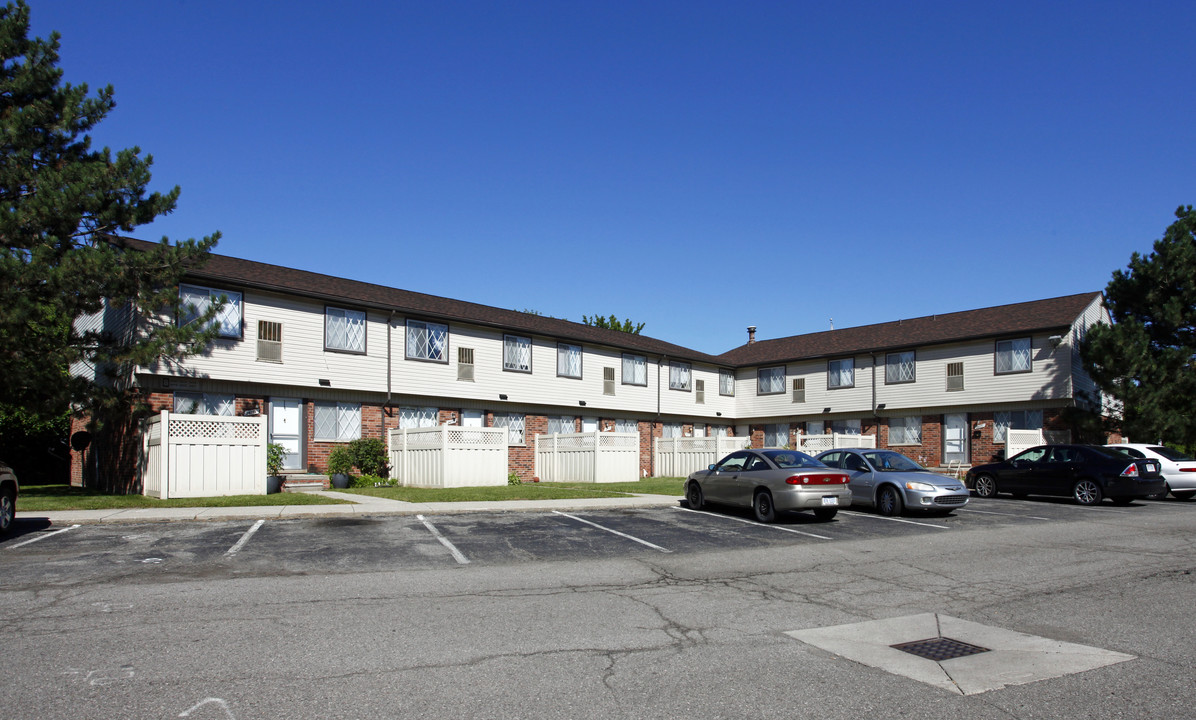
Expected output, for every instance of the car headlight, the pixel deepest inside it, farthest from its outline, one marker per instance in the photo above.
(920, 486)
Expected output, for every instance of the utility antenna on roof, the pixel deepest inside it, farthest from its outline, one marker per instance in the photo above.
(832, 323)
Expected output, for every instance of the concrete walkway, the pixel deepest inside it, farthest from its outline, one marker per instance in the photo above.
(362, 505)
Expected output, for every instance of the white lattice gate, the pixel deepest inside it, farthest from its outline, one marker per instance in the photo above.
(448, 456)
(202, 456)
(595, 457)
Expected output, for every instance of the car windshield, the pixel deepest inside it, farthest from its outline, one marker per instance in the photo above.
(888, 461)
(1169, 453)
(792, 459)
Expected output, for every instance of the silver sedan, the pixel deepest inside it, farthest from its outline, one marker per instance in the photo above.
(769, 481)
(891, 482)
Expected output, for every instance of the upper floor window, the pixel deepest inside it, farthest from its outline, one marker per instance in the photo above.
(635, 370)
(568, 360)
(196, 300)
(679, 373)
(516, 353)
(427, 341)
(1013, 356)
(344, 330)
(726, 382)
(337, 421)
(194, 403)
(899, 367)
(771, 381)
(840, 373)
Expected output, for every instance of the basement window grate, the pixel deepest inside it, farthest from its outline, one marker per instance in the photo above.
(940, 648)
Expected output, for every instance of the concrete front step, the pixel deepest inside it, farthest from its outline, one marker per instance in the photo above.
(304, 483)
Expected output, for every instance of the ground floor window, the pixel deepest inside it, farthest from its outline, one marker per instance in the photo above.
(561, 424)
(776, 435)
(905, 430)
(515, 424)
(193, 403)
(846, 427)
(1015, 420)
(337, 421)
(627, 426)
(418, 417)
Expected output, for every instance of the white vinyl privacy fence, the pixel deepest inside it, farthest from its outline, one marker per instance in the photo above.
(678, 457)
(448, 456)
(1019, 440)
(814, 444)
(595, 457)
(184, 456)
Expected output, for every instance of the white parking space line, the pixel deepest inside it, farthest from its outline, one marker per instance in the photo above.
(900, 520)
(753, 522)
(990, 512)
(41, 537)
(457, 554)
(616, 532)
(244, 538)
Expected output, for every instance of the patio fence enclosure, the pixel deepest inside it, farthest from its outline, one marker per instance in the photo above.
(448, 456)
(680, 456)
(814, 444)
(1019, 440)
(590, 457)
(186, 456)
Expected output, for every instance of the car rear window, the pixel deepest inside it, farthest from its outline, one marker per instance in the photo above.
(793, 459)
(1169, 453)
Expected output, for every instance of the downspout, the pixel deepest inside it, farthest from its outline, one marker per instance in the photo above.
(873, 356)
(389, 322)
(652, 445)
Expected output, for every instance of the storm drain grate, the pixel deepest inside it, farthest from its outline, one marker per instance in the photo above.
(940, 648)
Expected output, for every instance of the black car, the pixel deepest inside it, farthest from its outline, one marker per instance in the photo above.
(1088, 473)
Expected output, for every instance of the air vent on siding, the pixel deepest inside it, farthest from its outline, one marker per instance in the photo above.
(465, 364)
(700, 392)
(799, 390)
(955, 376)
(608, 381)
(269, 341)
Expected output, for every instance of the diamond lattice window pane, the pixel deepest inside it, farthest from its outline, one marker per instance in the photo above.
(568, 360)
(325, 421)
(517, 353)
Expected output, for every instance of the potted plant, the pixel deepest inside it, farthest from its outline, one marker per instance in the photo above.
(275, 455)
(340, 462)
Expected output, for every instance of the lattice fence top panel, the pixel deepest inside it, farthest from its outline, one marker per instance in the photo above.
(192, 426)
(619, 441)
(439, 436)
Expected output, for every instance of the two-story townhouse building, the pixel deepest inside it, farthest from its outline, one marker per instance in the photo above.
(328, 360)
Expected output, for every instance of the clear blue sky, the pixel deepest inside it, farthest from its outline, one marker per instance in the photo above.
(696, 166)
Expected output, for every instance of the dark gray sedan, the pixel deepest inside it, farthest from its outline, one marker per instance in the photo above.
(769, 481)
(891, 482)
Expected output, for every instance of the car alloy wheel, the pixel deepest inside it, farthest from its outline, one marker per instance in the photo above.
(762, 505)
(8, 511)
(889, 501)
(985, 486)
(1087, 492)
(694, 496)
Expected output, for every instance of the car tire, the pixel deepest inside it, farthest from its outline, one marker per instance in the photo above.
(763, 507)
(1183, 495)
(825, 513)
(8, 510)
(693, 496)
(888, 501)
(985, 486)
(1087, 492)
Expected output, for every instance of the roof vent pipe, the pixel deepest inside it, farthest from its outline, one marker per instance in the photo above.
(751, 334)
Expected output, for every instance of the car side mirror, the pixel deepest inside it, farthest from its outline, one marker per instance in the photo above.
(710, 466)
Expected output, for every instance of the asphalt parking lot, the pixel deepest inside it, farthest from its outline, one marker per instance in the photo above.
(36, 554)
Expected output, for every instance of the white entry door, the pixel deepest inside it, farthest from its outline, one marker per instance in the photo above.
(471, 418)
(589, 424)
(955, 437)
(286, 423)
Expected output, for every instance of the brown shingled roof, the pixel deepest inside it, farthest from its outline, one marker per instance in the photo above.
(226, 270)
(1003, 320)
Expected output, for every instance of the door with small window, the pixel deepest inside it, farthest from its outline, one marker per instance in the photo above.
(286, 422)
(955, 438)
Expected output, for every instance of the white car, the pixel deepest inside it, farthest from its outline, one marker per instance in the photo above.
(1178, 469)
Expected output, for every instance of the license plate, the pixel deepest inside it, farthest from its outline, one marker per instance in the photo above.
(830, 500)
(1151, 467)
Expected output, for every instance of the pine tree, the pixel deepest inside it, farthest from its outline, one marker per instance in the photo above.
(63, 208)
(1147, 358)
(613, 323)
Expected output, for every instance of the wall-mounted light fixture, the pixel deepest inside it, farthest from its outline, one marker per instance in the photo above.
(1056, 340)
(826, 410)
(718, 414)
(502, 397)
(325, 383)
(880, 406)
(581, 403)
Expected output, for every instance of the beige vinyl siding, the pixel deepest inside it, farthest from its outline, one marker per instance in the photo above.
(1096, 313)
(685, 403)
(853, 400)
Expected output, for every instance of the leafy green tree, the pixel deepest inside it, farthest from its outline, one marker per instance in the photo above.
(1147, 358)
(612, 323)
(63, 206)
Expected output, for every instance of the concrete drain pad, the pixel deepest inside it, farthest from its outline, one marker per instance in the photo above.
(956, 655)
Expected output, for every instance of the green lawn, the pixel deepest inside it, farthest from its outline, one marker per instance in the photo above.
(47, 498)
(529, 491)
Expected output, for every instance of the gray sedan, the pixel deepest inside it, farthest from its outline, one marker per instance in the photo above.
(769, 481)
(891, 482)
